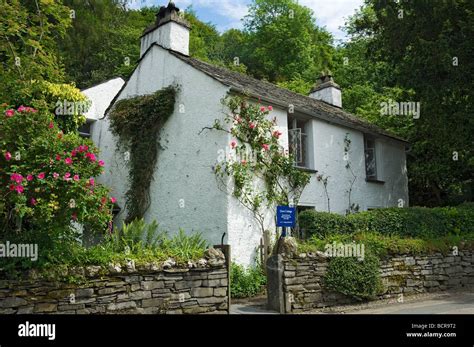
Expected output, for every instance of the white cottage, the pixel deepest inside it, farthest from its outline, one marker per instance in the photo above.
(184, 193)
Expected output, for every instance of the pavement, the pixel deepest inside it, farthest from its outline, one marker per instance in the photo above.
(455, 302)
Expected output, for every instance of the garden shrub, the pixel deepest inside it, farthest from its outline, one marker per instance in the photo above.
(47, 181)
(406, 222)
(312, 222)
(248, 282)
(359, 279)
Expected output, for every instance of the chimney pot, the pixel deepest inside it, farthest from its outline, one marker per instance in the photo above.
(170, 30)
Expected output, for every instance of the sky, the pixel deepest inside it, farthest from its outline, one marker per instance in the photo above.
(227, 14)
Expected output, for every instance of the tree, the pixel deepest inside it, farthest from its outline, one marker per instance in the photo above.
(428, 49)
(28, 51)
(284, 42)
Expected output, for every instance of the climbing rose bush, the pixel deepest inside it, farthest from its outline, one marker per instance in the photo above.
(47, 178)
(259, 154)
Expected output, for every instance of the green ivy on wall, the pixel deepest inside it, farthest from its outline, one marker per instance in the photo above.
(137, 123)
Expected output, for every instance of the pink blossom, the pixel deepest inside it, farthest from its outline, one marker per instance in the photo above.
(16, 177)
(29, 177)
(58, 157)
(68, 161)
(51, 125)
(41, 175)
(26, 109)
(73, 153)
(8, 156)
(33, 201)
(67, 176)
(90, 156)
(265, 147)
(76, 178)
(19, 189)
(91, 181)
(101, 163)
(270, 108)
(277, 134)
(113, 200)
(9, 113)
(55, 175)
(244, 161)
(251, 125)
(263, 109)
(233, 144)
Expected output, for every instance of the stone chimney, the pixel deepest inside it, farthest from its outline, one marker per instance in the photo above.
(170, 30)
(327, 90)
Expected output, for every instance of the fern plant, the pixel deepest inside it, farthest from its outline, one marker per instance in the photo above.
(137, 235)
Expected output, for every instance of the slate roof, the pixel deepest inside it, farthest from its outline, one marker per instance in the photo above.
(278, 96)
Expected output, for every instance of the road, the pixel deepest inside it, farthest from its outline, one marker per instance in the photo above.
(459, 302)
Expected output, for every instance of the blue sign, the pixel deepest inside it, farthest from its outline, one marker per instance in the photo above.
(286, 216)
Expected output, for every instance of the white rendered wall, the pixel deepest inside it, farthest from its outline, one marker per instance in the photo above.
(184, 193)
(329, 161)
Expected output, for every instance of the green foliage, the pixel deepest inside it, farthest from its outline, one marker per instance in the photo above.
(416, 53)
(415, 221)
(103, 41)
(248, 282)
(28, 51)
(183, 246)
(47, 179)
(351, 276)
(323, 223)
(412, 222)
(58, 98)
(284, 41)
(383, 245)
(137, 122)
(136, 235)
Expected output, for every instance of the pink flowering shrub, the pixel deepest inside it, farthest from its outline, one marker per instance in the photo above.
(47, 178)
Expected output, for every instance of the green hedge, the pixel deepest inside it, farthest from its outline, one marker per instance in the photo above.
(413, 221)
(322, 224)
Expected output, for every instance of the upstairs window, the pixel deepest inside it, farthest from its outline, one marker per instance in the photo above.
(297, 141)
(370, 158)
